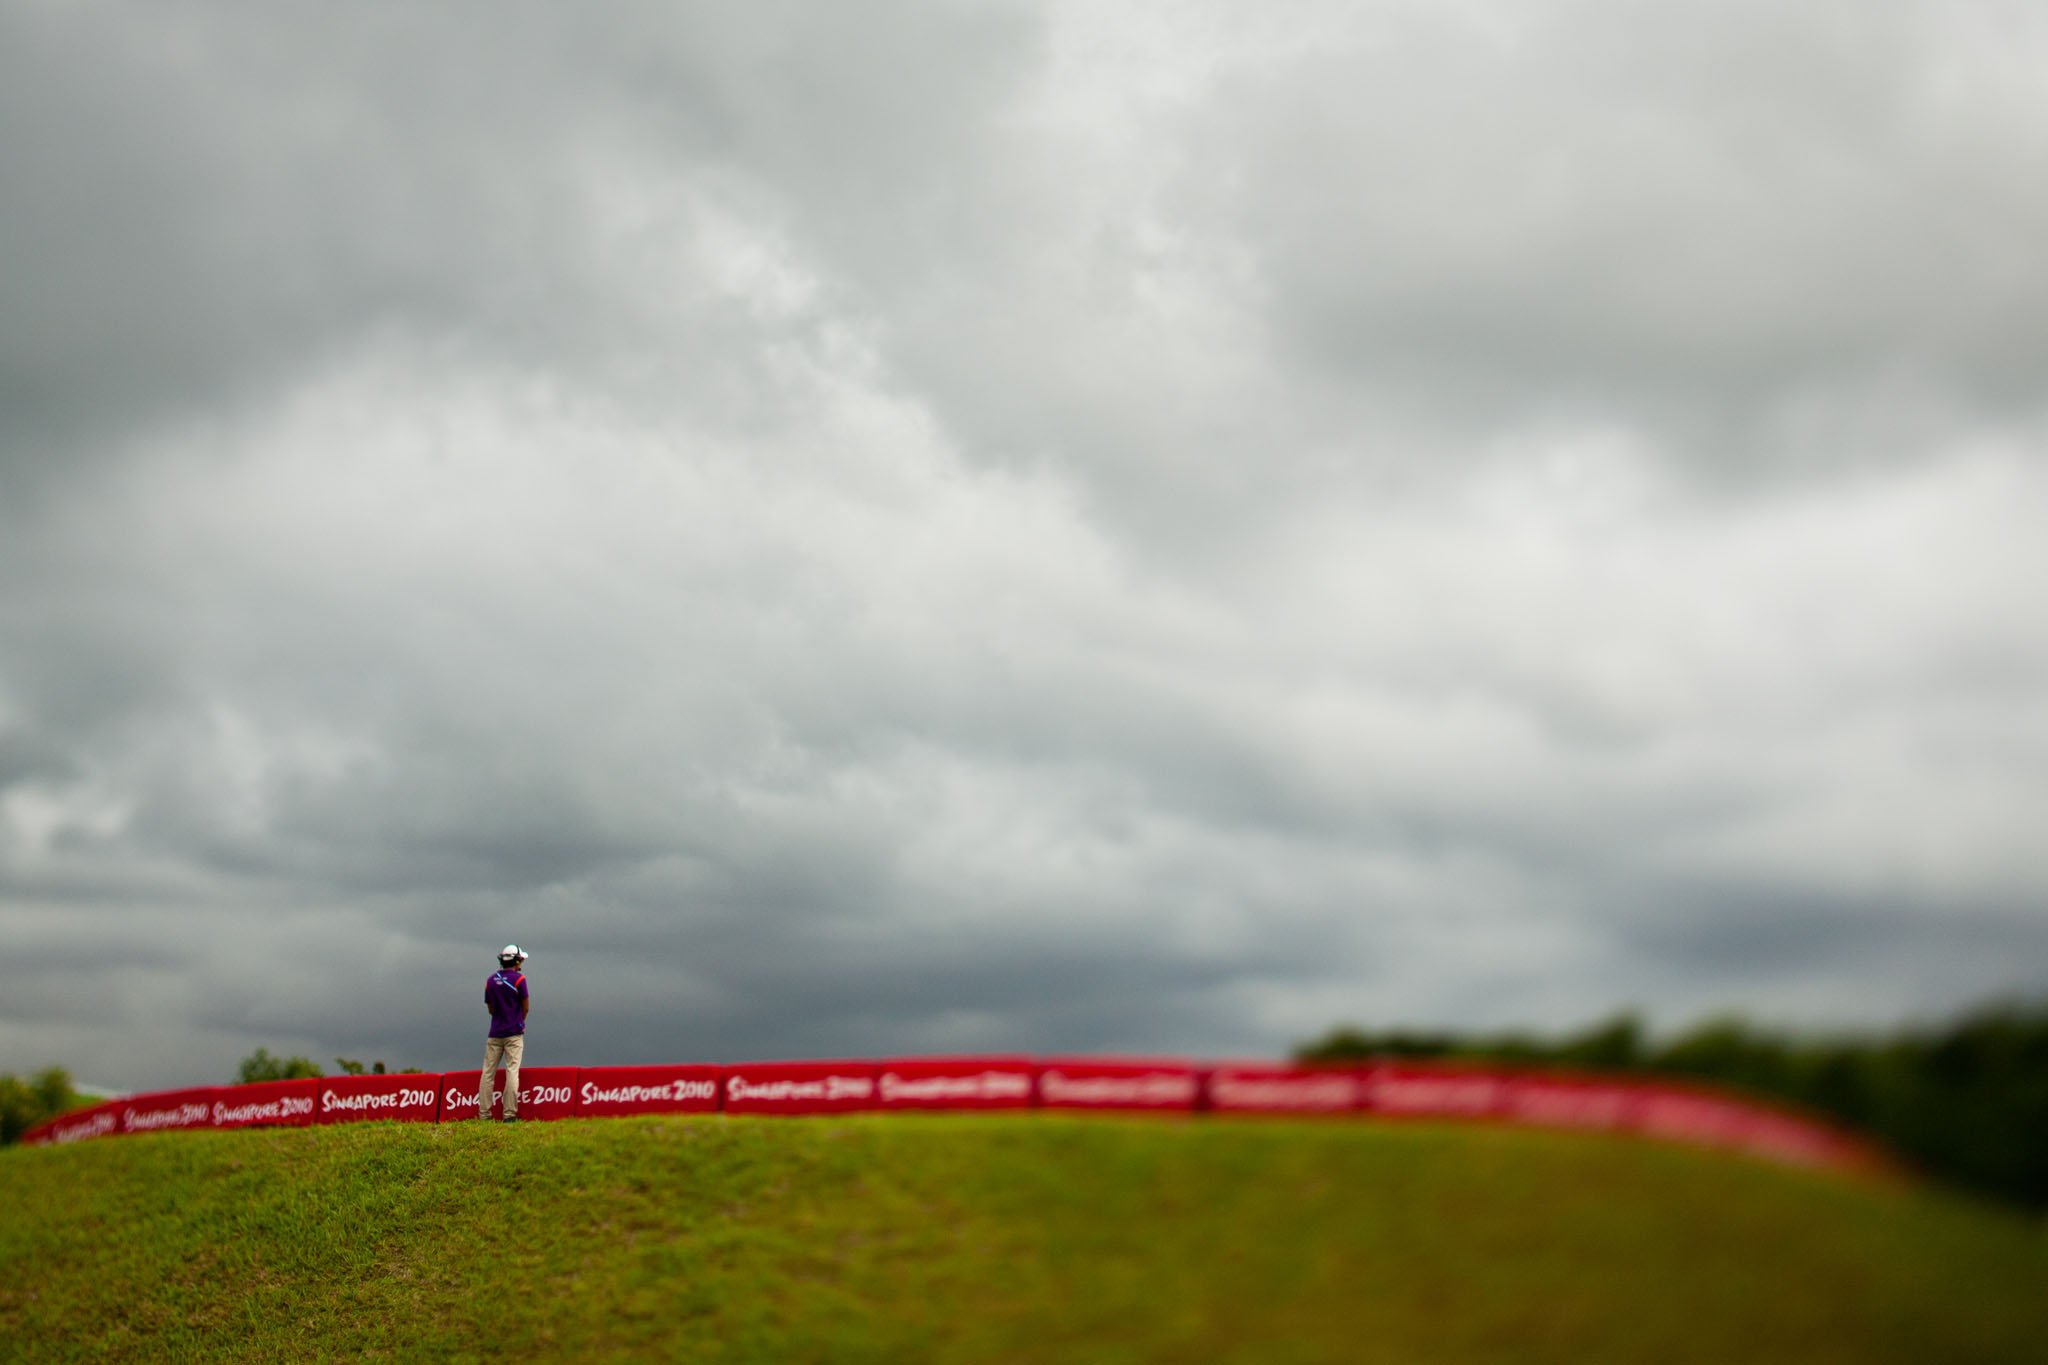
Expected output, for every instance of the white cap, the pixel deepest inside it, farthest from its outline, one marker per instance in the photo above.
(513, 953)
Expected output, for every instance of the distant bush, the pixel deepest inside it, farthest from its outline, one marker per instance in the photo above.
(1967, 1100)
(24, 1104)
(348, 1066)
(261, 1066)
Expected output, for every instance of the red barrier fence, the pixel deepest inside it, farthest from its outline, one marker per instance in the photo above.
(1118, 1083)
(1409, 1090)
(1550, 1100)
(1690, 1115)
(286, 1103)
(1262, 1088)
(1797, 1141)
(410, 1098)
(800, 1087)
(98, 1120)
(956, 1083)
(545, 1092)
(1416, 1090)
(619, 1090)
(1697, 1115)
(171, 1109)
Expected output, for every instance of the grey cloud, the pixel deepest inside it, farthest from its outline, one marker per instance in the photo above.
(1772, 241)
(206, 205)
(1007, 528)
(1714, 211)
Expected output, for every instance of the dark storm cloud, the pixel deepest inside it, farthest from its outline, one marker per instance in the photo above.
(204, 206)
(939, 526)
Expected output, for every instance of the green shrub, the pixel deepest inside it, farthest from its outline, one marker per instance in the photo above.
(24, 1104)
(261, 1066)
(1967, 1100)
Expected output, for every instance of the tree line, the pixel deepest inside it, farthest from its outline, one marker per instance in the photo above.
(24, 1103)
(261, 1066)
(1965, 1101)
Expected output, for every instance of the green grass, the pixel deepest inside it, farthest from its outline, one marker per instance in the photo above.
(989, 1239)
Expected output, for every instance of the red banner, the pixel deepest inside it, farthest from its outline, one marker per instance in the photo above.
(545, 1092)
(800, 1087)
(94, 1121)
(458, 1095)
(170, 1109)
(1688, 1115)
(1426, 1091)
(1262, 1088)
(1805, 1142)
(612, 1090)
(955, 1083)
(411, 1098)
(1117, 1083)
(1552, 1100)
(1669, 1110)
(268, 1103)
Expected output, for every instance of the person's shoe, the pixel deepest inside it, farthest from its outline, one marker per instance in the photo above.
(509, 1118)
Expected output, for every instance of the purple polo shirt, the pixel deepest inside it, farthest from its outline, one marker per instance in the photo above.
(505, 993)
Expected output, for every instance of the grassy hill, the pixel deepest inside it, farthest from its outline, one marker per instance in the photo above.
(1028, 1238)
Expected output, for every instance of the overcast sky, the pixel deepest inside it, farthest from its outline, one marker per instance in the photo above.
(900, 527)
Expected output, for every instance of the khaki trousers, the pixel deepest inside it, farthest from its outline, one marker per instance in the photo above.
(499, 1052)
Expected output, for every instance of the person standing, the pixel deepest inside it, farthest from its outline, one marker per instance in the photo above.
(506, 997)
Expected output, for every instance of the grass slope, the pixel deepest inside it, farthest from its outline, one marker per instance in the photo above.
(989, 1239)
